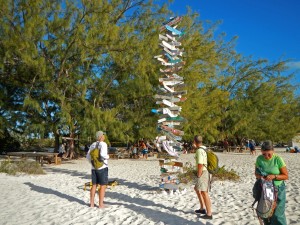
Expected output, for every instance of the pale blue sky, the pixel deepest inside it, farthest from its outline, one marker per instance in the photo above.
(267, 29)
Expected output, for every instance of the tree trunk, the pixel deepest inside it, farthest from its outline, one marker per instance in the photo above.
(72, 153)
(56, 146)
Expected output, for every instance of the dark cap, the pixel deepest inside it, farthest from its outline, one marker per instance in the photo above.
(267, 145)
(198, 139)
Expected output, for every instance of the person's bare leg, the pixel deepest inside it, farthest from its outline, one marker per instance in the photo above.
(207, 202)
(101, 195)
(92, 195)
(199, 198)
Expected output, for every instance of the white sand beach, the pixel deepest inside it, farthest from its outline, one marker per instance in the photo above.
(58, 197)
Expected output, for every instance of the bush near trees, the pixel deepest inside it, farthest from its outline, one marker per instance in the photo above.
(73, 67)
(221, 174)
(17, 167)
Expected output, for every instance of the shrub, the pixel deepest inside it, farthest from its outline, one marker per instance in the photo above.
(190, 174)
(27, 167)
(9, 168)
(224, 174)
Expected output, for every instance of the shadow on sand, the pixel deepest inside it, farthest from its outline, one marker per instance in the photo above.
(157, 215)
(49, 191)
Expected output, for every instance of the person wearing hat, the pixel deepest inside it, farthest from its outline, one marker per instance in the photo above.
(202, 183)
(99, 176)
(273, 165)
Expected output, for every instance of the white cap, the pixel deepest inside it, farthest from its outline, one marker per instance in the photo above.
(99, 134)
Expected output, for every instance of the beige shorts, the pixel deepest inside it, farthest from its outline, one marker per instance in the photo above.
(202, 183)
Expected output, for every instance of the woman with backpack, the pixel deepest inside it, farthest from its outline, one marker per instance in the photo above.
(273, 168)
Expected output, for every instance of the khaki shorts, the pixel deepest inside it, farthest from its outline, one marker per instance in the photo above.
(202, 183)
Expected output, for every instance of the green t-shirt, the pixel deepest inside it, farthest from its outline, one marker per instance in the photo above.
(271, 166)
(201, 157)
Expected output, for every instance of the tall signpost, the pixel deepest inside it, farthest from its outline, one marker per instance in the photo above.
(170, 91)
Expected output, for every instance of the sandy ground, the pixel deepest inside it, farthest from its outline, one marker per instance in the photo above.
(58, 197)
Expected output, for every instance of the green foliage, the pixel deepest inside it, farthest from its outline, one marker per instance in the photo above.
(189, 174)
(9, 143)
(261, 101)
(13, 168)
(225, 174)
(72, 68)
(36, 144)
(222, 174)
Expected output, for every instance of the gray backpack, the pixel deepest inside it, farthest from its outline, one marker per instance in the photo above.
(265, 194)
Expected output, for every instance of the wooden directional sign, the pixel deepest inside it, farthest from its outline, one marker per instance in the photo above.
(176, 93)
(162, 37)
(172, 38)
(171, 136)
(177, 52)
(166, 102)
(177, 118)
(171, 123)
(170, 98)
(173, 30)
(171, 22)
(169, 46)
(174, 131)
(171, 78)
(171, 69)
(171, 58)
(172, 82)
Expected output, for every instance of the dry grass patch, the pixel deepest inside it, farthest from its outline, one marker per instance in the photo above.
(190, 174)
(14, 167)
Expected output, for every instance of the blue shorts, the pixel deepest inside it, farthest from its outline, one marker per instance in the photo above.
(145, 151)
(100, 176)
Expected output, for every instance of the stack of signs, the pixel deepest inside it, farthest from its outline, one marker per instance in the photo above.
(171, 83)
(169, 170)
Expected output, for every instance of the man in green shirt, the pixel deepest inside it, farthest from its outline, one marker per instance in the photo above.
(275, 168)
(202, 184)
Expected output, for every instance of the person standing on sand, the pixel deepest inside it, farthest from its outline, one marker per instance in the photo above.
(144, 149)
(275, 167)
(62, 150)
(202, 184)
(99, 176)
(252, 147)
